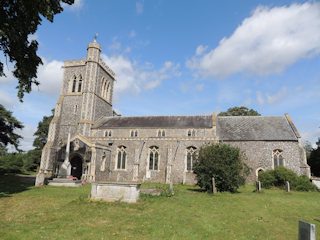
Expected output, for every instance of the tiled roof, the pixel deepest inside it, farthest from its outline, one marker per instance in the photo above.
(254, 128)
(204, 121)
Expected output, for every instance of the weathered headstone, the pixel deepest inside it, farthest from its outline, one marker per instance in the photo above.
(307, 231)
(287, 186)
(258, 186)
(171, 185)
(214, 190)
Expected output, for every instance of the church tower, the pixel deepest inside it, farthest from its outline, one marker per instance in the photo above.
(86, 95)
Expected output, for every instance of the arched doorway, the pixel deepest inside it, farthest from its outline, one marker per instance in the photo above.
(76, 166)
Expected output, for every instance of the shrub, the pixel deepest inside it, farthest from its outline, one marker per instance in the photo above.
(31, 161)
(11, 163)
(280, 175)
(223, 162)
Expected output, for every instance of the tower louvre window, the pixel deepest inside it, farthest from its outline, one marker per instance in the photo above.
(80, 84)
(74, 84)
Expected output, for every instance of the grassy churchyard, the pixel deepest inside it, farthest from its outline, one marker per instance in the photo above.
(66, 213)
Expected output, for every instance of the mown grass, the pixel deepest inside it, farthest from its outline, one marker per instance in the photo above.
(48, 212)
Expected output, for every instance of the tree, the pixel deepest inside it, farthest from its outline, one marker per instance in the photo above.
(19, 19)
(223, 162)
(314, 160)
(8, 124)
(239, 111)
(42, 132)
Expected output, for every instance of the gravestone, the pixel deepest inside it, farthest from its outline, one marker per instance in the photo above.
(307, 231)
(287, 186)
(258, 186)
(214, 190)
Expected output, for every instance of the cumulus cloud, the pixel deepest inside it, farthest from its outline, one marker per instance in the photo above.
(50, 76)
(200, 50)
(133, 78)
(27, 134)
(265, 43)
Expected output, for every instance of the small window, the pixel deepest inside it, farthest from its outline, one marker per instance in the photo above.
(107, 133)
(136, 133)
(189, 133)
(191, 157)
(159, 133)
(121, 158)
(277, 158)
(131, 133)
(75, 109)
(154, 158)
(163, 133)
(193, 133)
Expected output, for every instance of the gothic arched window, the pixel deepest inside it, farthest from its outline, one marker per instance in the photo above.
(80, 83)
(191, 157)
(107, 93)
(74, 84)
(154, 158)
(277, 158)
(121, 157)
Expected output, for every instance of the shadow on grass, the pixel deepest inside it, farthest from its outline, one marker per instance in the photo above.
(197, 190)
(10, 184)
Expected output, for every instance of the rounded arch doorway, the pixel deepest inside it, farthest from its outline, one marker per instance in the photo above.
(76, 166)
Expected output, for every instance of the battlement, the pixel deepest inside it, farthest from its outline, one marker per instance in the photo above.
(106, 68)
(74, 63)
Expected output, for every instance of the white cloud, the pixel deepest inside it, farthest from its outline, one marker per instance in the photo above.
(200, 50)
(267, 42)
(25, 144)
(247, 102)
(276, 97)
(260, 98)
(50, 76)
(6, 99)
(311, 135)
(139, 7)
(77, 5)
(132, 78)
(199, 87)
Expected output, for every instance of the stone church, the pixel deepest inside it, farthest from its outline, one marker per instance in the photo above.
(86, 141)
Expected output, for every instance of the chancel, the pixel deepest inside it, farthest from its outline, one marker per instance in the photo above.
(87, 142)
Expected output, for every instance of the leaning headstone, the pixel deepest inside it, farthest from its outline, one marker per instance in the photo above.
(287, 186)
(258, 186)
(214, 190)
(307, 231)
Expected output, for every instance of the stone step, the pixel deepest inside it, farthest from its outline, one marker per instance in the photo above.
(64, 182)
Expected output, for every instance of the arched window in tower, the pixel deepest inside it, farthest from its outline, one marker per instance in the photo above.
(121, 157)
(191, 157)
(153, 158)
(108, 92)
(74, 84)
(80, 83)
(277, 156)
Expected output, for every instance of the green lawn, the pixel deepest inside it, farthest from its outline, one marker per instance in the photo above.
(48, 212)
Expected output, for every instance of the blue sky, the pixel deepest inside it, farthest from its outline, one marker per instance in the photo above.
(186, 57)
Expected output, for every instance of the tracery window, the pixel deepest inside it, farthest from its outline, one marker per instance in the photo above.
(191, 157)
(121, 157)
(154, 158)
(277, 158)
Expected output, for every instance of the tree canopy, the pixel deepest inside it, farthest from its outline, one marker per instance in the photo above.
(314, 160)
(42, 132)
(239, 111)
(18, 20)
(223, 162)
(8, 124)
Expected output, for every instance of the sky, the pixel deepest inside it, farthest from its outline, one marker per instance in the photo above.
(183, 57)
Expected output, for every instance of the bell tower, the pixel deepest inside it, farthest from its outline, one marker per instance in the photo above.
(86, 96)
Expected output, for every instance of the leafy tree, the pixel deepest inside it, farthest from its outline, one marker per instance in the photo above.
(314, 160)
(223, 162)
(239, 111)
(19, 19)
(42, 132)
(8, 124)
(11, 163)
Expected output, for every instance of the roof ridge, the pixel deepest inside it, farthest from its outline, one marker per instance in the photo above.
(159, 116)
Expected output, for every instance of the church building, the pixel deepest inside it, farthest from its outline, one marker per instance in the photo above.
(86, 141)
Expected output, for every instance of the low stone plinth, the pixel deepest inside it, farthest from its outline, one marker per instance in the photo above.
(116, 191)
(64, 182)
